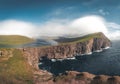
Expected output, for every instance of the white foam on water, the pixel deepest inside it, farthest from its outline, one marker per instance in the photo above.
(88, 53)
(53, 60)
(40, 63)
(106, 47)
(71, 58)
(98, 50)
(85, 54)
(60, 59)
(77, 54)
(82, 54)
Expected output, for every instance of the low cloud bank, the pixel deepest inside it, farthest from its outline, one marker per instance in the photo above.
(76, 27)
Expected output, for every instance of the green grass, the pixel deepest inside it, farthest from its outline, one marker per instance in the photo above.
(90, 36)
(14, 40)
(15, 70)
(85, 38)
(79, 39)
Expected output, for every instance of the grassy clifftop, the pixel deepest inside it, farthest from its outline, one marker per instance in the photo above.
(81, 39)
(14, 39)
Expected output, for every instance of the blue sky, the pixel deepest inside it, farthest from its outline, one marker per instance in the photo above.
(35, 18)
(42, 10)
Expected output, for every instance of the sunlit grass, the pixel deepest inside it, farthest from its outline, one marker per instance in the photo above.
(84, 38)
(15, 70)
(14, 40)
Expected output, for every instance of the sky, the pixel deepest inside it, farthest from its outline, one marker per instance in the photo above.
(36, 18)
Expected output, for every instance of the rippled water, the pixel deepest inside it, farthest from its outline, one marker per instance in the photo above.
(106, 62)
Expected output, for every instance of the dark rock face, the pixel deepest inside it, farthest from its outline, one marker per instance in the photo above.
(63, 51)
(67, 50)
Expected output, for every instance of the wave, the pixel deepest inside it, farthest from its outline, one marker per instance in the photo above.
(40, 63)
(106, 47)
(73, 58)
(70, 58)
(99, 50)
(88, 53)
(53, 60)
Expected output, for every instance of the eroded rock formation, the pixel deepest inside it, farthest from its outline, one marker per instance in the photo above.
(67, 50)
(73, 77)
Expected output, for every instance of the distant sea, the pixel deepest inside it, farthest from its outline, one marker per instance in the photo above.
(106, 62)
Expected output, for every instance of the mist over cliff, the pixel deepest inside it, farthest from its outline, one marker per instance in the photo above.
(84, 45)
(61, 27)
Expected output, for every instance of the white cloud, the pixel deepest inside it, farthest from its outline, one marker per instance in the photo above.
(114, 35)
(9, 27)
(62, 11)
(114, 31)
(113, 25)
(76, 27)
(90, 24)
(101, 11)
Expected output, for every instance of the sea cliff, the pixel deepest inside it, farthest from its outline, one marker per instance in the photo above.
(24, 62)
(85, 45)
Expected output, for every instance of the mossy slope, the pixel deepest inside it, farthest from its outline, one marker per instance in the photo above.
(81, 39)
(15, 70)
(14, 40)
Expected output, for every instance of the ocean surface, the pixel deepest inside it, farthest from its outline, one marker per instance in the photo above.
(106, 62)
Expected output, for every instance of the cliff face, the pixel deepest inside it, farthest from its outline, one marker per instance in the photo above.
(66, 50)
(94, 42)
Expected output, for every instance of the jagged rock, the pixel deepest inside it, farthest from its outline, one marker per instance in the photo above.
(113, 80)
(100, 79)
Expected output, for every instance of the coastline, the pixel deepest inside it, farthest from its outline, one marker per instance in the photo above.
(74, 57)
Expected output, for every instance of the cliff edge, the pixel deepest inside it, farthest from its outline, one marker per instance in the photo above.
(77, 46)
(66, 49)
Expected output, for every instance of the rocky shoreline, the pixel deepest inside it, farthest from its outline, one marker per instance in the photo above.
(73, 58)
(74, 77)
(63, 51)
(67, 50)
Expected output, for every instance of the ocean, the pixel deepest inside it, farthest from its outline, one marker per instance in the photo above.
(106, 62)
